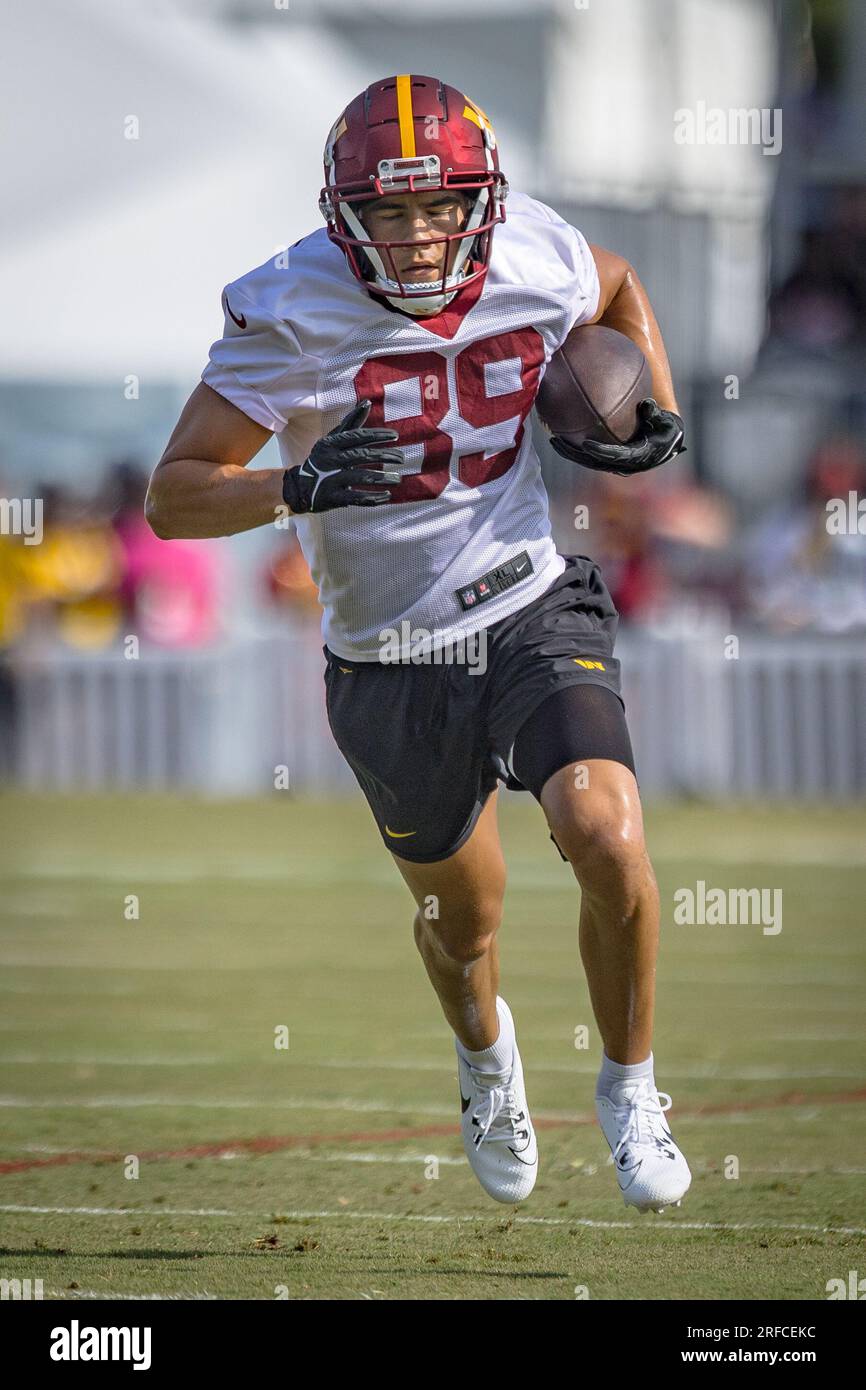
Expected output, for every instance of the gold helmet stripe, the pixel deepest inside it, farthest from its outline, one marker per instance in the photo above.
(404, 116)
(473, 113)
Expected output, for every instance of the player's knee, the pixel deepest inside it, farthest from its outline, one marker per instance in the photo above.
(464, 935)
(603, 842)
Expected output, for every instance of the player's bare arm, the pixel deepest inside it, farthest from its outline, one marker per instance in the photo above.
(201, 487)
(624, 304)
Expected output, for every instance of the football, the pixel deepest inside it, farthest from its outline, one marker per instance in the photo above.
(592, 387)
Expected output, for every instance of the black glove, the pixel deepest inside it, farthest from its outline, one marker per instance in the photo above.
(339, 462)
(658, 438)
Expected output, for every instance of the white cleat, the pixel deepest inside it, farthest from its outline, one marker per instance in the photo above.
(497, 1132)
(651, 1171)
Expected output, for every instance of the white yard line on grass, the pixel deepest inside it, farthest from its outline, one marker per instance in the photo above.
(440, 1220)
(73, 1294)
(316, 873)
(747, 1169)
(446, 1160)
(704, 1071)
(808, 979)
(816, 1036)
(313, 1155)
(26, 1059)
(809, 1109)
(372, 1107)
(102, 989)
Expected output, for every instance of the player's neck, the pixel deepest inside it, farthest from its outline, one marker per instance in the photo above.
(446, 322)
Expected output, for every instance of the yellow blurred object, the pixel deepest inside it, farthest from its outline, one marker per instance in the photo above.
(90, 624)
(12, 589)
(73, 562)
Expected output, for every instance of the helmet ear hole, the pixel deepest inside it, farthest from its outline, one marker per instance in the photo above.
(366, 266)
(364, 263)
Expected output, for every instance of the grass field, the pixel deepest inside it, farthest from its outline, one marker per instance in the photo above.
(311, 1169)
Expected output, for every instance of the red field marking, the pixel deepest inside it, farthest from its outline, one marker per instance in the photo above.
(380, 1136)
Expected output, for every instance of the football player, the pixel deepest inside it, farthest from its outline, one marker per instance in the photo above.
(396, 353)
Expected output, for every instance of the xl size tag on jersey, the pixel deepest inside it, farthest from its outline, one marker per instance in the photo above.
(495, 581)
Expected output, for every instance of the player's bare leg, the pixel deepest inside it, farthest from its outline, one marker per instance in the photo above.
(459, 911)
(594, 813)
(595, 817)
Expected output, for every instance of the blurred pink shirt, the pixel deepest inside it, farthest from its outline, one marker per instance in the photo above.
(171, 586)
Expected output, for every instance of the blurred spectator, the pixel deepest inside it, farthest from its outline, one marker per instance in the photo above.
(622, 543)
(12, 621)
(13, 610)
(99, 572)
(288, 582)
(659, 543)
(693, 527)
(821, 306)
(800, 574)
(169, 590)
(818, 307)
(71, 578)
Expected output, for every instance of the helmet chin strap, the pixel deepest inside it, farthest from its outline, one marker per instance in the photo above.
(420, 307)
(428, 305)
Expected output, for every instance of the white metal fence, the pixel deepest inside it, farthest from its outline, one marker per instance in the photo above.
(783, 718)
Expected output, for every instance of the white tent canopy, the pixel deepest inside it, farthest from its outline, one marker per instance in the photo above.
(114, 251)
(628, 75)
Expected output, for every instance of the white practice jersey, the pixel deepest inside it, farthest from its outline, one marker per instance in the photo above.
(304, 341)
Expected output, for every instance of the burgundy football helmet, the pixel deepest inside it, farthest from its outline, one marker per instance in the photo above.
(408, 134)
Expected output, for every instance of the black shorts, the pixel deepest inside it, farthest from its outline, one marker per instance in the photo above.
(429, 742)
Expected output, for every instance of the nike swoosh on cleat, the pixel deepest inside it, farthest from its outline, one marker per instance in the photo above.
(464, 1104)
(400, 834)
(634, 1172)
(524, 1161)
(624, 1187)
